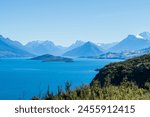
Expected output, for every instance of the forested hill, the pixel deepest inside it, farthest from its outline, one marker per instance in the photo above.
(136, 70)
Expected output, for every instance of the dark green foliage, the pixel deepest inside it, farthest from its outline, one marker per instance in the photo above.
(125, 91)
(134, 70)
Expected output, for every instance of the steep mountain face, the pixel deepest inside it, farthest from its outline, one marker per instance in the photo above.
(136, 70)
(132, 42)
(44, 47)
(77, 44)
(86, 50)
(9, 48)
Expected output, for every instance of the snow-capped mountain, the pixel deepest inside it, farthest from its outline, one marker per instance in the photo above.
(145, 35)
(132, 42)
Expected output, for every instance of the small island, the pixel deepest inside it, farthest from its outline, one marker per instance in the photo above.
(51, 58)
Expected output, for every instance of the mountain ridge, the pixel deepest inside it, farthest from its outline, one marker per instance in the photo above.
(131, 42)
(87, 49)
(9, 48)
(44, 47)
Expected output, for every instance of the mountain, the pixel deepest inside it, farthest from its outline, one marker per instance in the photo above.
(87, 49)
(51, 58)
(122, 55)
(9, 48)
(77, 44)
(44, 47)
(132, 42)
(106, 46)
(145, 35)
(111, 55)
(133, 70)
(145, 50)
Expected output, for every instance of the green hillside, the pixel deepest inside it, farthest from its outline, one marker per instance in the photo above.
(134, 70)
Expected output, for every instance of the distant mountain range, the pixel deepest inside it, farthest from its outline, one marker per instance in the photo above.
(121, 55)
(77, 44)
(132, 45)
(87, 49)
(107, 46)
(124, 54)
(44, 47)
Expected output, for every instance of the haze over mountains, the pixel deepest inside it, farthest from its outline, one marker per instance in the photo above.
(77, 44)
(107, 46)
(138, 44)
(9, 48)
(44, 47)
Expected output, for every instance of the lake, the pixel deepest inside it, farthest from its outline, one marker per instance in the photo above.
(23, 78)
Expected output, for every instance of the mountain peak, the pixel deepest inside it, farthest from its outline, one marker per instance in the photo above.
(145, 35)
(79, 41)
(132, 43)
(89, 43)
(86, 50)
(9, 48)
(38, 42)
(44, 47)
(131, 36)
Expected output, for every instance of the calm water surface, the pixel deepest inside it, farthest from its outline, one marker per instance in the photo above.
(23, 78)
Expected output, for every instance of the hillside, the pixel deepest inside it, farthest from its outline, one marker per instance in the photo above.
(134, 70)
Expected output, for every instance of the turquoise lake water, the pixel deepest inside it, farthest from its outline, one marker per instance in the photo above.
(23, 78)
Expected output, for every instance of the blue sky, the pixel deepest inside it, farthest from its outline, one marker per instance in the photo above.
(64, 21)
